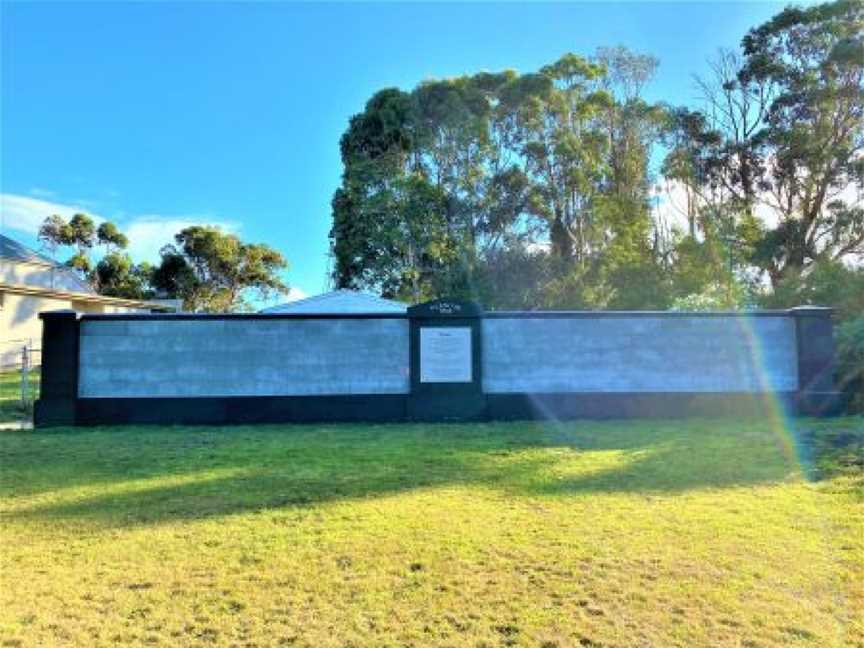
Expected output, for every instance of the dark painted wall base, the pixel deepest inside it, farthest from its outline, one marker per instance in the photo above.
(831, 403)
(635, 405)
(399, 408)
(52, 412)
(446, 407)
(240, 410)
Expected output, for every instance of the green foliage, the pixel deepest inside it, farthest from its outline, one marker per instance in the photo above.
(81, 233)
(714, 297)
(208, 269)
(535, 190)
(112, 238)
(782, 132)
(448, 182)
(117, 276)
(55, 232)
(211, 271)
(80, 262)
(841, 287)
(830, 283)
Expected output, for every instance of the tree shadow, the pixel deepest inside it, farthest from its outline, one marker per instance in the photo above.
(121, 477)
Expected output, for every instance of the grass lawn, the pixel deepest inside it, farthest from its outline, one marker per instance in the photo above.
(10, 395)
(650, 534)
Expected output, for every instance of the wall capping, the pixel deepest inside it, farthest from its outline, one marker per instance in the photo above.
(148, 317)
(441, 308)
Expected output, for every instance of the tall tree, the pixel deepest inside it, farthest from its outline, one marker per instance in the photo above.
(461, 173)
(109, 236)
(553, 119)
(403, 220)
(776, 157)
(212, 271)
(79, 231)
(631, 261)
(813, 141)
(54, 232)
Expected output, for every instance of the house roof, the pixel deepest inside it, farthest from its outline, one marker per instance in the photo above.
(340, 301)
(15, 251)
(52, 276)
(26, 272)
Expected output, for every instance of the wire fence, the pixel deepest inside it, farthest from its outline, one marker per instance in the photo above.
(20, 364)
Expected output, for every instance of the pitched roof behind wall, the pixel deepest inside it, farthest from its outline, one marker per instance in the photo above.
(340, 301)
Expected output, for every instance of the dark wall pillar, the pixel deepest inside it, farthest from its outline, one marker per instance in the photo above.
(446, 382)
(58, 390)
(814, 333)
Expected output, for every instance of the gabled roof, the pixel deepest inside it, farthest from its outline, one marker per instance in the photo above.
(51, 275)
(15, 251)
(340, 301)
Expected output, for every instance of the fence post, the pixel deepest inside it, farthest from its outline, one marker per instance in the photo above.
(25, 377)
(59, 384)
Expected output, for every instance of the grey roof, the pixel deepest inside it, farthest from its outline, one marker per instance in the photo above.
(52, 275)
(11, 249)
(340, 301)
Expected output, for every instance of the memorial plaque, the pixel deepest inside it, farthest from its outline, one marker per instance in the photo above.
(445, 354)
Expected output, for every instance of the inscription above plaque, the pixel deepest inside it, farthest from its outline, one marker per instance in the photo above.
(445, 354)
(452, 308)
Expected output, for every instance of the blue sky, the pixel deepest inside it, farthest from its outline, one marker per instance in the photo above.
(159, 115)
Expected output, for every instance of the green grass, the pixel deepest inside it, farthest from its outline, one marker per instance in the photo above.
(650, 534)
(11, 408)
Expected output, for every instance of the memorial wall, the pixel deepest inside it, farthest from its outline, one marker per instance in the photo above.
(444, 360)
(242, 357)
(639, 353)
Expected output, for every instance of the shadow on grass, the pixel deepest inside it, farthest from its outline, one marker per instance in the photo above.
(132, 476)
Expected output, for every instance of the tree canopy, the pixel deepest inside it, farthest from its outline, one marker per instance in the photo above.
(539, 189)
(209, 270)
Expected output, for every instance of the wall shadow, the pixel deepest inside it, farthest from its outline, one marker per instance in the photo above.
(121, 477)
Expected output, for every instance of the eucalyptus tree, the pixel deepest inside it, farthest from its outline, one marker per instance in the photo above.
(551, 119)
(775, 158)
(813, 141)
(109, 236)
(212, 271)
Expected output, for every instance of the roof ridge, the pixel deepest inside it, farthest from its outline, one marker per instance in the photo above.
(345, 294)
(17, 251)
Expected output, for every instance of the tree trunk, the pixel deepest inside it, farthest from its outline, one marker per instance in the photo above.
(562, 244)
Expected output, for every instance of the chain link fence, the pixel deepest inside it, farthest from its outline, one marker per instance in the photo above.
(20, 364)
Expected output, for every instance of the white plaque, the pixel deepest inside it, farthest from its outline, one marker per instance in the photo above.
(445, 354)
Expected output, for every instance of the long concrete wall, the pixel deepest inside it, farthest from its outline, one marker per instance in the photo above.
(242, 357)
(158, 369)
(663, 353)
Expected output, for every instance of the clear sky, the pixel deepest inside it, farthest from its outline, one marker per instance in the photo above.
(159, 115)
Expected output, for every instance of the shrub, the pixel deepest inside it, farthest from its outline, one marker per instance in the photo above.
(826, 284)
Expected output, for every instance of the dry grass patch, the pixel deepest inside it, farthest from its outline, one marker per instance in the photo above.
(700, 533)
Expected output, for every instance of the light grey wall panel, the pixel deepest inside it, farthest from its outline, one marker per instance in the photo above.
(639, 354)
(243, 357)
